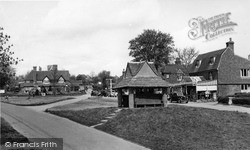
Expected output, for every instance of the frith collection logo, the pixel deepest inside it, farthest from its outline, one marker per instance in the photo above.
(210, 28)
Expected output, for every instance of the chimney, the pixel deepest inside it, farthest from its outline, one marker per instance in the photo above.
(230, 44)
(123, 73)
(178, 61)
(248, 57)
(40, 68)
(54, 67)
(34, 68)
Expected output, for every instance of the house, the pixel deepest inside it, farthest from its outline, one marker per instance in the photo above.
(141, 85)
(45, 80)
(226, 72)
(181, 83)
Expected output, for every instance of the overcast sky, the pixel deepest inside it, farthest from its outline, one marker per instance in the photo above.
(92, 35)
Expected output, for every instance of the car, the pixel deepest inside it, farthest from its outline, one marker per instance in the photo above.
(178, 98)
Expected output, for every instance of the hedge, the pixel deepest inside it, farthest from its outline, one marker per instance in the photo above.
(236, 100)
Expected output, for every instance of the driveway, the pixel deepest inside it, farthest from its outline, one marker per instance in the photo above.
(32, 122)
(215, 105)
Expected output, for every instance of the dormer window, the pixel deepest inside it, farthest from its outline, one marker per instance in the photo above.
(46, 80)
(245, 72)
(211, 60)
(61, 80)
(197, 63)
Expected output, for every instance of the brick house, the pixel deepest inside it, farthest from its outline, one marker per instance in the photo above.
(44, 80)
(230, 72)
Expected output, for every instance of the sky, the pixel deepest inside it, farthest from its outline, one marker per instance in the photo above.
(88, 36)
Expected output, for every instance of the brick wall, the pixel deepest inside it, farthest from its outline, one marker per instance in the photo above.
(224, 90)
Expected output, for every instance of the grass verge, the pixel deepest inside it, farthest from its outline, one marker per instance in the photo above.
(9, 134)
(91, 102)
(174, 127)
(86, 117)
(35, 101)
(178, 127)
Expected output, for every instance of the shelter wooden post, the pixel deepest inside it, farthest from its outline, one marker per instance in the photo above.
(131, 98)
(119, 96)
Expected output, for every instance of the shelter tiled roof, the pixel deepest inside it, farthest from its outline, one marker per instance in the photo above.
(142, 74)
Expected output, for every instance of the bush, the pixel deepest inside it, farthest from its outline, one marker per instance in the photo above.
(223, 99)
(241, 100)
(242, 95)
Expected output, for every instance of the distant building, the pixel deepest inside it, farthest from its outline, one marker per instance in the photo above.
(228, 72)
(44, 80)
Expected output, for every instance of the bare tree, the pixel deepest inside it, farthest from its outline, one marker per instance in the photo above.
(187, 55)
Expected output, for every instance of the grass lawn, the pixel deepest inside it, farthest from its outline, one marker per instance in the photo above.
(173, 128)
(34, 101)
(9, 134)
(91, 102)
(87, 117)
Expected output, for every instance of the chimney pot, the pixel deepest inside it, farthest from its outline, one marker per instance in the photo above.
(34, 68)
(230, 44)
(178, 61)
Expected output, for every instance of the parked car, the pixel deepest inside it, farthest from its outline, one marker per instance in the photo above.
(178, 98)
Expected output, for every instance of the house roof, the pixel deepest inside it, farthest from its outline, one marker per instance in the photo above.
(205, 61)
(40, 75)
(174, 68)
(143, 74)
(134, 67)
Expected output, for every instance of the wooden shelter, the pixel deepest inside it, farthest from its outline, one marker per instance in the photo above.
(141, 85)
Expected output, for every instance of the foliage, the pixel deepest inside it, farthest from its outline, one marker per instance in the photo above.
(187, 55)
(6, 59)
(152, 45)
(241, 100)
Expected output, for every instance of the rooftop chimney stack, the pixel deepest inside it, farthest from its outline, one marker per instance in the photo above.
(123, 73)
(230, 44)
(248, 57)
(40, 68)
(34, 68)
(178, 61)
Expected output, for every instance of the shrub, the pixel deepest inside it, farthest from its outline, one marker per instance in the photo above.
(223, 99)
(241, 100)
(242, 95)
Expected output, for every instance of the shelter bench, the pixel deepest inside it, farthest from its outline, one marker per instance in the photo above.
(145, 102)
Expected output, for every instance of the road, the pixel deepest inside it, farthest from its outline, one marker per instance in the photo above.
(34, 123)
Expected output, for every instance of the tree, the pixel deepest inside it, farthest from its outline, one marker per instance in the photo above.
(6, 59)
(152, 45)
(187, 55)
(103, 76)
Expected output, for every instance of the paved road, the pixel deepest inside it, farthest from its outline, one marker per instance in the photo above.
(215, 105)
(37, 124)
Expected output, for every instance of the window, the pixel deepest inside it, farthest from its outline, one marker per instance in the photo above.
(244, 87)
(198, 63)
(61, 80)
(46, 80)
(211, 60)
(167, 76)
(179, 77)
(245, 72)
